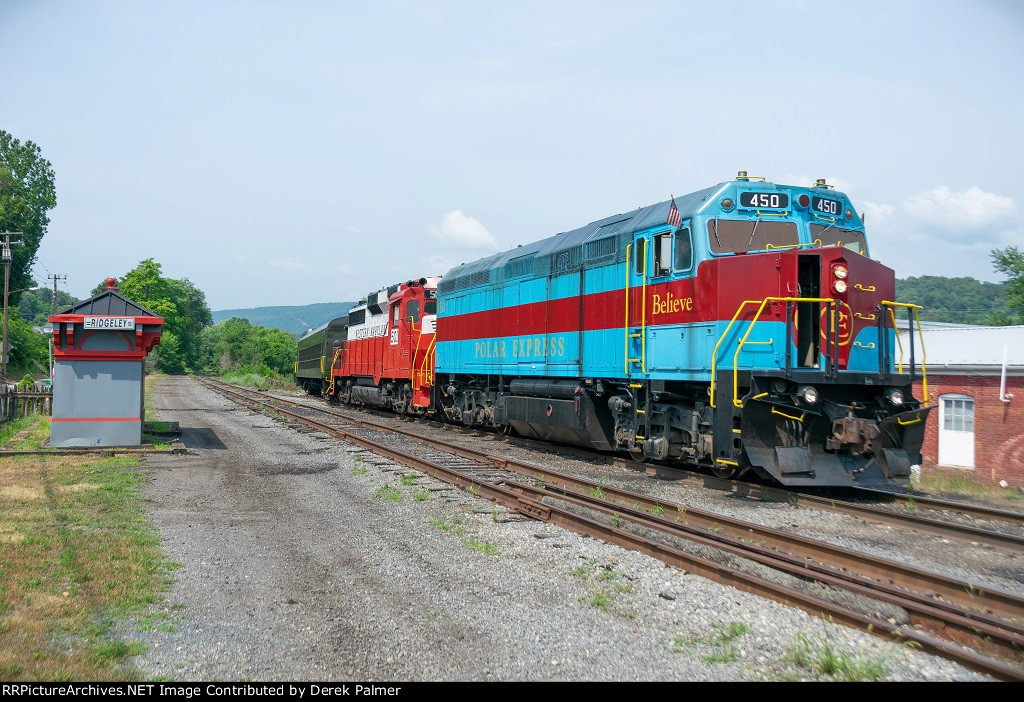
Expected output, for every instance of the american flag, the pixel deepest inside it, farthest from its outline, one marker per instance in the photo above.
(673, 214)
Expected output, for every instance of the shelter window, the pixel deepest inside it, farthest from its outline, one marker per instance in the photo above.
(742, 235)
(663, 254)
(413, 311)
(684, 250)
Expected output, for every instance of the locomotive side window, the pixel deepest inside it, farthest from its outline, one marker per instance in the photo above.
(641, 255)
(684, 250)
(663, 254)
(832, 236)
(430, 307)
(414, 311)
(397, 313)
(742, 235)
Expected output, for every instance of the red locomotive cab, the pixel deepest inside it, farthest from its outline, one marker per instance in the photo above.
(409, 353)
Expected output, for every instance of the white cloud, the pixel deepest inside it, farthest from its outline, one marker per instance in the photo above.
(289, 264)
(439, 265)
(972, 209)
(875, 213)
(462, 230)
(805, 181)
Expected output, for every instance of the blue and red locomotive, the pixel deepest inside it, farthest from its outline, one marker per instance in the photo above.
(740, 328)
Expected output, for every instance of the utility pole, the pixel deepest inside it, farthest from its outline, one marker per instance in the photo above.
(7, 258)
(54, 277)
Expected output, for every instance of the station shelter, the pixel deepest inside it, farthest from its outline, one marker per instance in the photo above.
(99, 346)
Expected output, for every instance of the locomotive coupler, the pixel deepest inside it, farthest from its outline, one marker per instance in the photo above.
(853, 434)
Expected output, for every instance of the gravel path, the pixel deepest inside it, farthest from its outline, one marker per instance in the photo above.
(296, 566)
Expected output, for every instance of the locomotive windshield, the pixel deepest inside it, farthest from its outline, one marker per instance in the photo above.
(735, 236)
(833, 236)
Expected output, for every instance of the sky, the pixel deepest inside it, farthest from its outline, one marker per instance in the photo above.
(290, 153)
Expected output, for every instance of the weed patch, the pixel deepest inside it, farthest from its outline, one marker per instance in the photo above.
(80, 556)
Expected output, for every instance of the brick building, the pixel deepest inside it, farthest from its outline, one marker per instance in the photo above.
(976, 383)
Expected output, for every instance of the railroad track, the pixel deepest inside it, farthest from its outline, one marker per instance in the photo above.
(943, 615)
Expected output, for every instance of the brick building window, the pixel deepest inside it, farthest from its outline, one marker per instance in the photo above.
(956, 430)
(958, 414)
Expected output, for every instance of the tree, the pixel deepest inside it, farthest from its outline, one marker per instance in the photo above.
(181, 304)
(1010, 262)
(236, 344)
(27, 193)
(36, 306)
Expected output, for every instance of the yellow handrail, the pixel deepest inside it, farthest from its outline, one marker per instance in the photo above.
(920, 336)
(334, 359)
(626, 360)
(739, 347)
(625, 329)
(643, 316)
(426, 370)
(412, 362)
(739, 310)
(771, 247)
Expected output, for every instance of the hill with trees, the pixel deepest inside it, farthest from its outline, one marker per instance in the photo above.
(294, 319)
(957, 300)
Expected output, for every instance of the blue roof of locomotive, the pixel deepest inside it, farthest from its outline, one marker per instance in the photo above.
(624, 223)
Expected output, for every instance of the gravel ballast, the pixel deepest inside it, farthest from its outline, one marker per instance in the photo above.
(302, 558)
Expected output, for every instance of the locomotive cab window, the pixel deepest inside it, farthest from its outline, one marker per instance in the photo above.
(833, 236)
(641, 256)
(742, 235)
(684, 250)
(413, 311)
(430, 307)
(397, 313)
(663, 254)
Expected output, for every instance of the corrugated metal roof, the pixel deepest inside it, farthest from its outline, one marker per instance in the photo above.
(973, 346)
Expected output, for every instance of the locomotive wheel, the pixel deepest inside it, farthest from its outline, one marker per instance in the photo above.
(724, 471)
(638, 455)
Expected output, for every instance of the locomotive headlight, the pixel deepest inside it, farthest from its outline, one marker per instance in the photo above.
(808, 394)
(895, 397)
(840, 272)
(839, 286)
(727, 204)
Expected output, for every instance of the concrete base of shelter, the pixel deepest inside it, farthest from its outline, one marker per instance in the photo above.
(70, 433)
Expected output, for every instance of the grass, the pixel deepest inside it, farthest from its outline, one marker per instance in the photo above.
(935, 480)
(388, 493)
(484, 547)
(720, 639)
(420, 495)
(11, 429)
(600, 599)
(820, 656)
(78, 557)
(359, 470)
(409, 479)
(260, 382)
